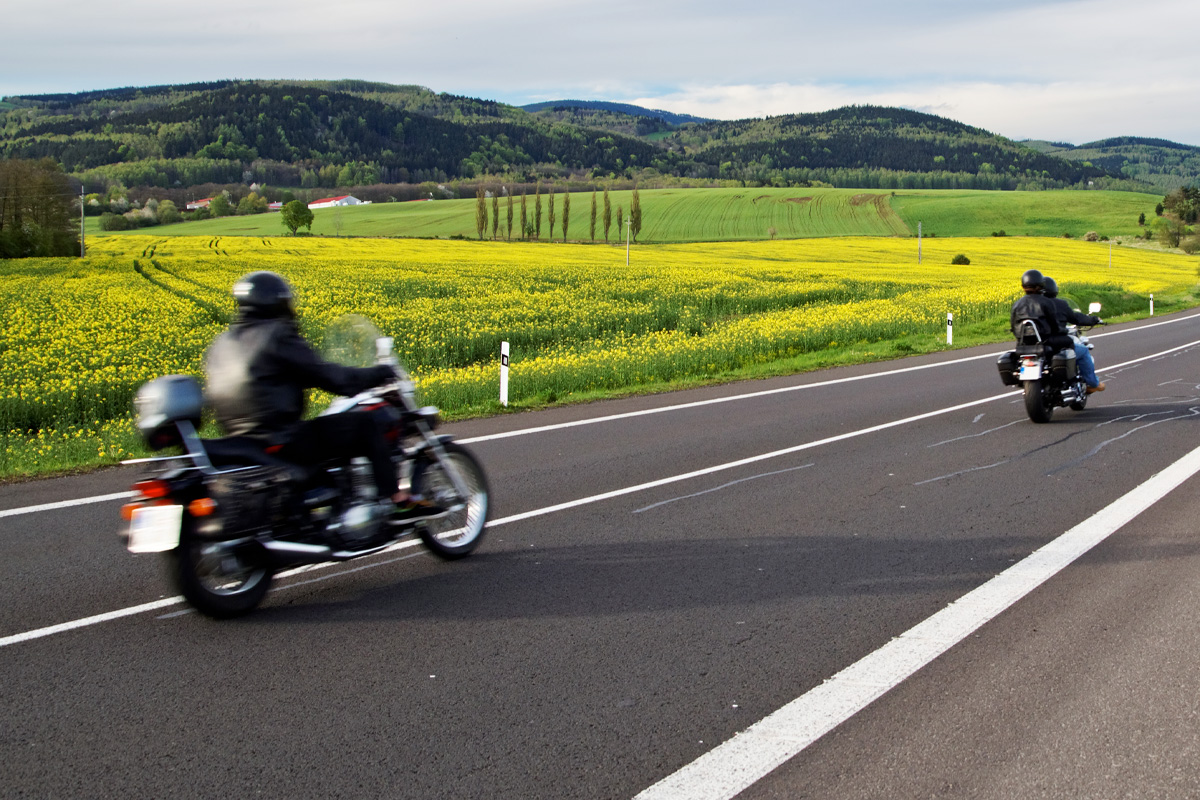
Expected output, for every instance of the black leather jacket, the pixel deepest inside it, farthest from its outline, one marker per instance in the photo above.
(1042, 311)
(258, 370)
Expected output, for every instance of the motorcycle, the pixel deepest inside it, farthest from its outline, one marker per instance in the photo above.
(228, 515)
(1050, 378)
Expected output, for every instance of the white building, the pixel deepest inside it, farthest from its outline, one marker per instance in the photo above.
(344, 200)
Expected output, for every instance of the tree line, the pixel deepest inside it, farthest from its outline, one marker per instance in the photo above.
(38, 210)
(529, 223)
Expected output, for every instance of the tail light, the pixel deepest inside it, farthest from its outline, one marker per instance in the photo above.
(152, 488)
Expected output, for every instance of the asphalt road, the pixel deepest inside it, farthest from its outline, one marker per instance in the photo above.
(655, 588)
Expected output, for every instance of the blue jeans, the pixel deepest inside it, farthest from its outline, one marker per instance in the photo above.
(1085, 365)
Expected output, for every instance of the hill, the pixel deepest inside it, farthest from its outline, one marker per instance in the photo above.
(1160, 163)
(327, 134)
(618, 117)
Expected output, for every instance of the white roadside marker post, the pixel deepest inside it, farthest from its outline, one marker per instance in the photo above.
(949, 328)
(1152, 305)
(504, 374)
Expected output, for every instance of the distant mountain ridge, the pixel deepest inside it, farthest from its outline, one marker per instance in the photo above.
(330, 134)
(1161, 163)
(669, 117)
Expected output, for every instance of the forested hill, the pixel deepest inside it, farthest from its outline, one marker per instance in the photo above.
(356, 133)
(1160, 163)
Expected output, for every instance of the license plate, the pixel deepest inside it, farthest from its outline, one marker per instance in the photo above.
(1031, 372)
(155, 529)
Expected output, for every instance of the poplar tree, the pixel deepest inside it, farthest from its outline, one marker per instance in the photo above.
(524, 215)
(480, 211)
(635, 214)
(607, 214)
(566, 212)
(537, 211)
(550, 213)
(593, 225)
(510, 216)
(495, 214)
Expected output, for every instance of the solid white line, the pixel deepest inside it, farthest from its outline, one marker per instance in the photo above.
(730, 768)
(540, 512)
(681, 407)
(785, 389)
(99, 618)
(83, 501)
(641, 487)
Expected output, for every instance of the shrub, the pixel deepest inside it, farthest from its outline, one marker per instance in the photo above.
(960, 260)
(1091, 236)
(999, 233)
(113, 222)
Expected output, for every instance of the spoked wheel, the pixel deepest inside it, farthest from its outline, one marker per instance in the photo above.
(1037, 401)
(460, 530)
(219, 580)
(1081, 402)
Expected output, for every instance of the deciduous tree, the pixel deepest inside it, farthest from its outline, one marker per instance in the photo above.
(635, 214)
(296, 215)
(550, 213)
(37, 212)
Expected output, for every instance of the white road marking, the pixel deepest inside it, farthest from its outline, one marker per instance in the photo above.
(682, 406)
(732, 767)
(83, 501)
(111, 615)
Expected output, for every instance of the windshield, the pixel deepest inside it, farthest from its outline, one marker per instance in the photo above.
(350, 341)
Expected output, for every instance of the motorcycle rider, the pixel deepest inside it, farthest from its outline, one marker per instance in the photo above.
(1069, 316)
(258, 370)
(1040, 309)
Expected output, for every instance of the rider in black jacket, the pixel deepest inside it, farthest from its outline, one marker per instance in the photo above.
(258, 370)
(1069, 316)
(1040, 309)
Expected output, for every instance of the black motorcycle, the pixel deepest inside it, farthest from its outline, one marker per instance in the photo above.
(228, 515)
(1050, 377)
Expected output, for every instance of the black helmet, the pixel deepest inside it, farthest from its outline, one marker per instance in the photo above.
(1049, 287)
(1032, 280)
(265, 294)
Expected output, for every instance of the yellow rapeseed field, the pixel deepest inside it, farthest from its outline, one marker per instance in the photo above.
(79, 337)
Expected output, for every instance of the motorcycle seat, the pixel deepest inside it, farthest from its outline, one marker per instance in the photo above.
(244, 451)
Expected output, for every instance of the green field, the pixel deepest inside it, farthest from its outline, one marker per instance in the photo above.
(699, 215)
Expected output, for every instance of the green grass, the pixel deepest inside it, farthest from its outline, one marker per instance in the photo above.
(698, 215)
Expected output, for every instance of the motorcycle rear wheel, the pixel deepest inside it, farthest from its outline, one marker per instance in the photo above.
(218, 581)
(459, 532)
(1037, 401)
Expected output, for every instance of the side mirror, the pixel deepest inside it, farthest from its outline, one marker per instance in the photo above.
(1094, 308)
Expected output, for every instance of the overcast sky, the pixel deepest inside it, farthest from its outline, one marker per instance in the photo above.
(1065, 70)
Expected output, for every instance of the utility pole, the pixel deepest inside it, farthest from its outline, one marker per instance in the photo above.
(82, 246)
(918, 243)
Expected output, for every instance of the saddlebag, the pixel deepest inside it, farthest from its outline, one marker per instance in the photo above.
(251, 500)
(1063, 365)
(1006, 364)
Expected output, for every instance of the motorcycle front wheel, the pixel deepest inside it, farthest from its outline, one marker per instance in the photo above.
(1037, 401)
(460, 529)
(218, 580)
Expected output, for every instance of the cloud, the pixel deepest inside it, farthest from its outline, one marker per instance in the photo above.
(1064, 69)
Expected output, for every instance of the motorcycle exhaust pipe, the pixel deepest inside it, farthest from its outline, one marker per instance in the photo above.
(290, 553)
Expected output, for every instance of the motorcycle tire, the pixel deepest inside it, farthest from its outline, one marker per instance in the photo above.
(459, 532)
(217, 581)
(1037, 403)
